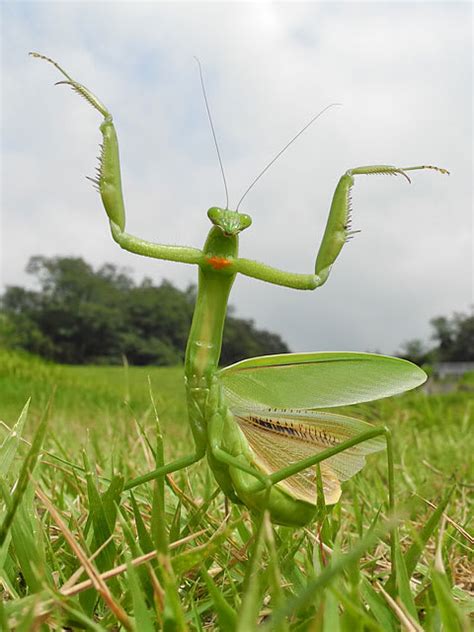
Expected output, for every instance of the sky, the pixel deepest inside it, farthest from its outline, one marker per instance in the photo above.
(403, 74)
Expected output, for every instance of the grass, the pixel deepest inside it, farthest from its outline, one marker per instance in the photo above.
(77, 553)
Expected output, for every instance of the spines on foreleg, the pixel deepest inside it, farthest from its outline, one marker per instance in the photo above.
(338, 227)
(108, 180)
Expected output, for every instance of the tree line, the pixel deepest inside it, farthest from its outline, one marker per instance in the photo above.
(84, 316)
(453, 337)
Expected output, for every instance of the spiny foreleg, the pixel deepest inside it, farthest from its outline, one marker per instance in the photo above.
(337, 232)
(108, 182)
(338, 228)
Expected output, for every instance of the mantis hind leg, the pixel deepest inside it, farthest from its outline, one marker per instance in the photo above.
(283, 508)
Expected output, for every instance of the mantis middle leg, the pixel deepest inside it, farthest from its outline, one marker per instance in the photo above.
(169, 468)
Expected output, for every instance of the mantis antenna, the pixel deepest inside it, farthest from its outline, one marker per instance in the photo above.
(290, 142)
(213, 132)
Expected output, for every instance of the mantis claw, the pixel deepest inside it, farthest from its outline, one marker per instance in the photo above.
(338, 231)
(401, 172)
(88, 96)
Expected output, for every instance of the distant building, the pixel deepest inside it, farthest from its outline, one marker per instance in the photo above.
(456, 369)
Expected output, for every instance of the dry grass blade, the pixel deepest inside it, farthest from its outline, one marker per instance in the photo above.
(69, 591)
(403, 616)
(316, 538)
(76, 575)
(96, 580)
(439, 548)
(458, 527)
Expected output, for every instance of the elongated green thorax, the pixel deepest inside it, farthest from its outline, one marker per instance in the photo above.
(216, 277)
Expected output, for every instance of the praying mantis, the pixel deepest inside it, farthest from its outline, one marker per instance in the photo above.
(263, 422)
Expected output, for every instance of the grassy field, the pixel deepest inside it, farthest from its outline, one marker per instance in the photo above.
(77, 553)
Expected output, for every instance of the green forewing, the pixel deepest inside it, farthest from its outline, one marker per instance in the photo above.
(318, 380)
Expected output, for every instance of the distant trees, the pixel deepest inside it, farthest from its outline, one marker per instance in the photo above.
(80, 315)
(454, 339)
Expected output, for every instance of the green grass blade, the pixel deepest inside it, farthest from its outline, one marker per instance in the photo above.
(448, 610)
(274, 573)
(378, 607)
(252, 597)
(4, 625)
(103, 520)
(28, 466)
(323, 580)
(79, 617)
(331, 613)
(25, 624)
(10, 444)
(141, 571)
(143, 617)
(27, 541)
(158, 518)
(414, 552)
(111, 500)
(226, 616)
(354, 616)
(184, 562)
(144, 538)
(174, 617)
(403, 583)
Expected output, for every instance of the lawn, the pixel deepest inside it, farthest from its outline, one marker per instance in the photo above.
(78, 553)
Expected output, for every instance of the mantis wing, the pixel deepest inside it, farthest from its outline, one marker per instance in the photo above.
(279, 438)
(317, 380)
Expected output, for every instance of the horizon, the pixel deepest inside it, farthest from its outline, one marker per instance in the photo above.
(412, 260)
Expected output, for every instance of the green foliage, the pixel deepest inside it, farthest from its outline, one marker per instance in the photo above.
(210, 570)
(454, 337)
(82, 316)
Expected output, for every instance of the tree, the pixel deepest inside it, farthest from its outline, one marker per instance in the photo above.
(79, 315)
(415, 350)
(454, 337)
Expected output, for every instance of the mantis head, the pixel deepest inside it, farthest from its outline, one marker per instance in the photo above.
(230, 222)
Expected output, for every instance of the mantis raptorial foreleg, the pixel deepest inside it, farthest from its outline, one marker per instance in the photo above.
(337, 232)
(109, 184)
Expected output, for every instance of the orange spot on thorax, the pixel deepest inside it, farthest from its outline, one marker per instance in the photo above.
(219, 262)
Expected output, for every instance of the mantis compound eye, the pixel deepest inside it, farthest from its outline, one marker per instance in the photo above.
(215, 215)
(245, 221)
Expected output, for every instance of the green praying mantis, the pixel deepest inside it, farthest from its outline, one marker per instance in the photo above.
(263, 422)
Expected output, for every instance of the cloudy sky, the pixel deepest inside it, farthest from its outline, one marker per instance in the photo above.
(403, 74)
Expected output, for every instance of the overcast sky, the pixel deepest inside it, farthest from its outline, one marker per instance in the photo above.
(403, 73)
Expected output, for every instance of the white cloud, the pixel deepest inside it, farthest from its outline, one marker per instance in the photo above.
(403, 72)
